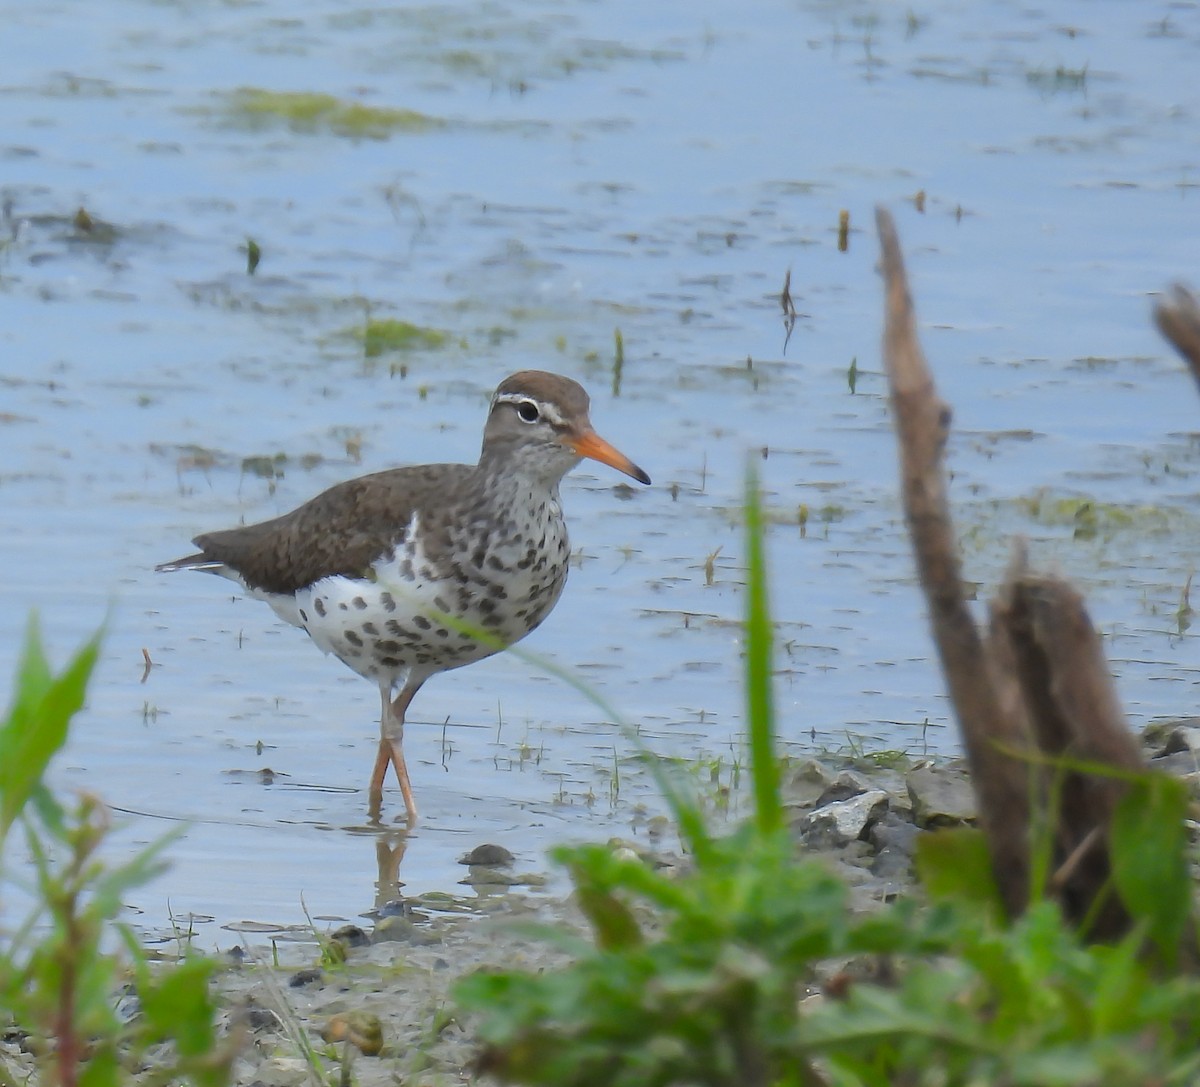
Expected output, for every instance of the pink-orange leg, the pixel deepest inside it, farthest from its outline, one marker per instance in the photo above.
(391, 750)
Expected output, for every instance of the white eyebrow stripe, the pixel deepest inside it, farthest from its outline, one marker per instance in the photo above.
(545, 408)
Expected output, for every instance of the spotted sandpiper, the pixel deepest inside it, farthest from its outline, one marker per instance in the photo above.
(413, 571)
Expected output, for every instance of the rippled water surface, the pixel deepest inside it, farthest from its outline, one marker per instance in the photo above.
(576, 172)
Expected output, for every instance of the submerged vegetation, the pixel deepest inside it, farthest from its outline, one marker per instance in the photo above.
(1090, 517)
(381, 335)
(308, 111)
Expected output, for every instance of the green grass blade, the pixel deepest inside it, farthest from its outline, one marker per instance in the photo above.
(768, 810)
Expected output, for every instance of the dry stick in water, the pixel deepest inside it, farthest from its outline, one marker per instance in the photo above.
(1035, 698)
(1040, 625)
(985, 699)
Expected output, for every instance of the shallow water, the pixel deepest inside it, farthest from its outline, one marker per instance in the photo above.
(652, 169)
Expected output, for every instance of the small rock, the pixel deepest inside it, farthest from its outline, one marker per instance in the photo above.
(1177, 763)
(305, 977)
(402, 930)
(488, 854)
(627, 850)
(806, 784)
(393, 929)
(257, 1018)
(844, 820)
(895, 833)
(405, 930)
(440, 902)
(362, 1029)
(1167, 736)
(940, 797)
(350, 936)
(858, 850)
(857, 879)
(895, 842)
(846, 785)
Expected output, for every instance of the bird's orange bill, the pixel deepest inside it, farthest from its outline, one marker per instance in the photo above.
(590, 444)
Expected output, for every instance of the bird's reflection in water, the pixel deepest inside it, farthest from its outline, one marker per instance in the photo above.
(390, 846)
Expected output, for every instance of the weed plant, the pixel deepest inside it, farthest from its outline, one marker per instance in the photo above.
(61, 970)
(750, 970)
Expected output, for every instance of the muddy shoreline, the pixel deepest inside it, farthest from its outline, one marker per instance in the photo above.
(378, 994)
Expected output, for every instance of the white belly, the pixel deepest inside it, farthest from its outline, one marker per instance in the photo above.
(408, 620)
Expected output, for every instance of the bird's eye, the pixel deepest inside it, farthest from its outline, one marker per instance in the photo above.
(528, 411)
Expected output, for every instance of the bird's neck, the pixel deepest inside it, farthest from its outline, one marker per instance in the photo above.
(523, 470)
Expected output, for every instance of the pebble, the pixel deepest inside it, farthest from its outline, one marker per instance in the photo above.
(840, 821)
(941, 796)
(257, 1018)
(350, 936)
(849, 783)
(363, 1030)
(494, 856)
(305, 977)
(403, 930)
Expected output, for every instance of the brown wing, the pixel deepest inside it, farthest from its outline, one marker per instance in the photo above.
(341, 531)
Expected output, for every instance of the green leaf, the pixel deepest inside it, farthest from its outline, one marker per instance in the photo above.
(37, 722)
(954, 864)
(768, 807)
(1148, 846)
(177, 1005)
